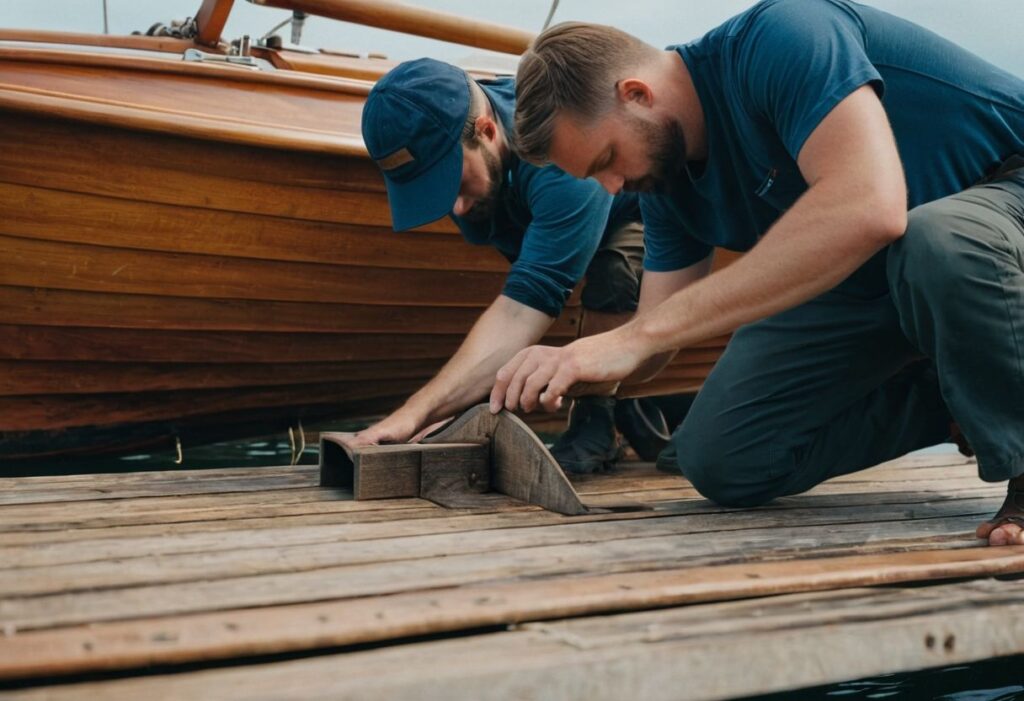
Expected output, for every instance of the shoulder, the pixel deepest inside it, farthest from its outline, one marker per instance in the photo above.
(782, 25)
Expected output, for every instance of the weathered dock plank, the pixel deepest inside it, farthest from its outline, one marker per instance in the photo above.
(705, 652)
(238, 555)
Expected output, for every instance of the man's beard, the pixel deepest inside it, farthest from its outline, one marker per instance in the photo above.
(666, 150)
(484, 207)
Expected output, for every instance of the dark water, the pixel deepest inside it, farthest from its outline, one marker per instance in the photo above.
(994, 680)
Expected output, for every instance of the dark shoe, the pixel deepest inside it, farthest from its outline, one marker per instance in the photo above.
(667, 460)
(643, 425)
(589, 444)
(957, 436)
(674, 407)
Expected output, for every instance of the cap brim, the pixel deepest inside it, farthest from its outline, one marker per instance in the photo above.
(428, 197)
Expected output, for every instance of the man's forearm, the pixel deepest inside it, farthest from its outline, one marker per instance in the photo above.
(505, 328)
(824, 238)
(856, 204)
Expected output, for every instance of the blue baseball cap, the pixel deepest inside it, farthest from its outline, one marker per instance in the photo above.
(412, 126)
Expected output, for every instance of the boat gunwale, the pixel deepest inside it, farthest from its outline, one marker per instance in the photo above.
(96, 110)
(134, 41)
(164, 63)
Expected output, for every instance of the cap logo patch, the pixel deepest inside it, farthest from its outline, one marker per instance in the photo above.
(396, 160)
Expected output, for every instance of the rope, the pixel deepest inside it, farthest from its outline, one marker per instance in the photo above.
(551, 14)
(297, 451)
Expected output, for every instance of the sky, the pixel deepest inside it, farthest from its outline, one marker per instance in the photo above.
(991, 28)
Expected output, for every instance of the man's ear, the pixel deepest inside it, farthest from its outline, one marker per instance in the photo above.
(634, 90)
(485, 128)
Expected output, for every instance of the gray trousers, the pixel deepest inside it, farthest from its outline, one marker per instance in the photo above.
(931, 329)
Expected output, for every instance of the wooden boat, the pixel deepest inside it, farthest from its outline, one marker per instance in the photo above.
(200, 248)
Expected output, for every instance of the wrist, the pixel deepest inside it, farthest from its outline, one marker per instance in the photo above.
(413, 413)
(635, 340)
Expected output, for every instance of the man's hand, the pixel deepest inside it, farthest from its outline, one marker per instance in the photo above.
(396, 428)
(544, 375)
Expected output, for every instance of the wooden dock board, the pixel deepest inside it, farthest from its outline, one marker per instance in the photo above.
(120, 571)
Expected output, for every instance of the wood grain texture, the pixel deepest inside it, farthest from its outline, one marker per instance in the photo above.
(43, 214)
(410, 19)
(648, 541)
(211, 18)
(101, 269)
(454, 474)
(166, 95)
(146, 43)
(38, 397)
(261, 631)
(440, 472)
(520, 465)
(92, 578)
(327, 64)
(162, 213)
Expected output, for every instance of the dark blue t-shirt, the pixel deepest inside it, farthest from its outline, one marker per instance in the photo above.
(766, 79)
(547, 223)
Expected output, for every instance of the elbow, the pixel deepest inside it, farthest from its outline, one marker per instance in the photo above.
(887, 214)
(893, 226)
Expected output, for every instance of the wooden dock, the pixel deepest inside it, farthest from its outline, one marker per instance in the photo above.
(256, 584)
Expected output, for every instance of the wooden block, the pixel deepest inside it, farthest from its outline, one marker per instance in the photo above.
(476, 452)
(523, 468)
(386, 472)
(373, 472)
(454, 474)
(437, 471)
(336, 466)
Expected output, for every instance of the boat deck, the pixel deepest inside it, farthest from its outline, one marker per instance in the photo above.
(255, 583)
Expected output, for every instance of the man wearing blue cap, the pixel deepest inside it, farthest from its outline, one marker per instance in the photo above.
(442, 141)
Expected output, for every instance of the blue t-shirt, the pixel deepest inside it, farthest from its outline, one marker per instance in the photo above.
(547, 223)
(766, 79)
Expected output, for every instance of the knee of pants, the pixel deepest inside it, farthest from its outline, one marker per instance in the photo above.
(612, 285)
(721, 473)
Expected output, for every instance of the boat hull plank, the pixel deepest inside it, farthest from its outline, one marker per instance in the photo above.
(49, 307)
(57, 215)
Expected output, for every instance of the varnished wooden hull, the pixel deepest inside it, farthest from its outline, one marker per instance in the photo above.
(164, 277)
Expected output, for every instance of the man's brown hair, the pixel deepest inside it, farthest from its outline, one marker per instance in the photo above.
(571, 67)
(470, 139)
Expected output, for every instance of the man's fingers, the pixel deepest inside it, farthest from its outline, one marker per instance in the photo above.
(558, 386)
(533, 387)
(550, 402)
(517, 387)
(362, 439)
(501, 381)
(522, 381)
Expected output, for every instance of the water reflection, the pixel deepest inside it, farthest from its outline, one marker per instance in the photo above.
(1000, 679)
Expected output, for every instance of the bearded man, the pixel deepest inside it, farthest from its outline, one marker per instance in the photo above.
(802, 131)
(443, 143)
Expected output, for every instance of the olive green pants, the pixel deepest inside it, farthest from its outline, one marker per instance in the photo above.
(613, 276)
(930, 330)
